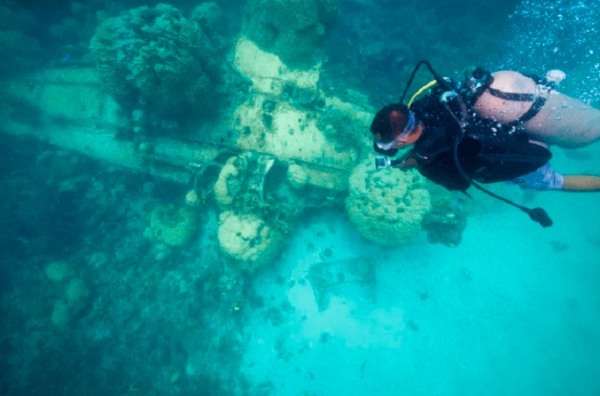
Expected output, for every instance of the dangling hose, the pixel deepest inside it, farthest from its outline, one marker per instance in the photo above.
(539, 215)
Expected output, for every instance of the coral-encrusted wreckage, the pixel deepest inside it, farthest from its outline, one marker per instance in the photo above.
(249, 128)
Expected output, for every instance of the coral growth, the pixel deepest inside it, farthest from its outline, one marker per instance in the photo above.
(292, 29)
(156, 59)
(230, 181)
(345, 123)
(72, 303)
(256, 212)
(171, 225)
(209, 16)
(446, 221)
(58, 271)
(248, 240)
(387, 205)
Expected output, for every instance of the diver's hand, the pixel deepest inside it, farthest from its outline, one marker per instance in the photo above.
(407, 161)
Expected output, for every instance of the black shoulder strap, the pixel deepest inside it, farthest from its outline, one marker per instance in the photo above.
(512, 96)
(538, 101)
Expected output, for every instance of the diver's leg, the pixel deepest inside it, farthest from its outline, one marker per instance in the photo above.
(545, 178)
(580, 183)
(566, 122)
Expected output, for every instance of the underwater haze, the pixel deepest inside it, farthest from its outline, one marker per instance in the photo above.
(116, 277)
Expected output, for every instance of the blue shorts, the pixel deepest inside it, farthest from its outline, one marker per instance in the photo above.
(544, 178)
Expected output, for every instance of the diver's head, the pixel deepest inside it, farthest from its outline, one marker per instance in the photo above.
(395, 126)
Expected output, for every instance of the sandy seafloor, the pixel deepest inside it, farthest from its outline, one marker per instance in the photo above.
(515, 309)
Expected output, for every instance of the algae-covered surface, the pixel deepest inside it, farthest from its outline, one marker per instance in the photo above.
(187, 205)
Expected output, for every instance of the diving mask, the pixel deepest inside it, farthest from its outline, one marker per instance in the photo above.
(401, 137)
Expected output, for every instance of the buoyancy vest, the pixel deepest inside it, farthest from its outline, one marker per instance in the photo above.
(488, 152)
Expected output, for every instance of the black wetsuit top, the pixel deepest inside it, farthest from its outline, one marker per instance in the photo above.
(488, 152)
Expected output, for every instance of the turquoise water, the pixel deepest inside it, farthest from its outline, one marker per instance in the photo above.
(511, 311)
(90, 306)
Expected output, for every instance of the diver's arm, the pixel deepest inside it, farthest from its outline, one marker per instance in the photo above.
(580, 183)
(406, 161)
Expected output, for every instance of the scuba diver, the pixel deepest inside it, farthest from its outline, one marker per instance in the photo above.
(491, 127)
